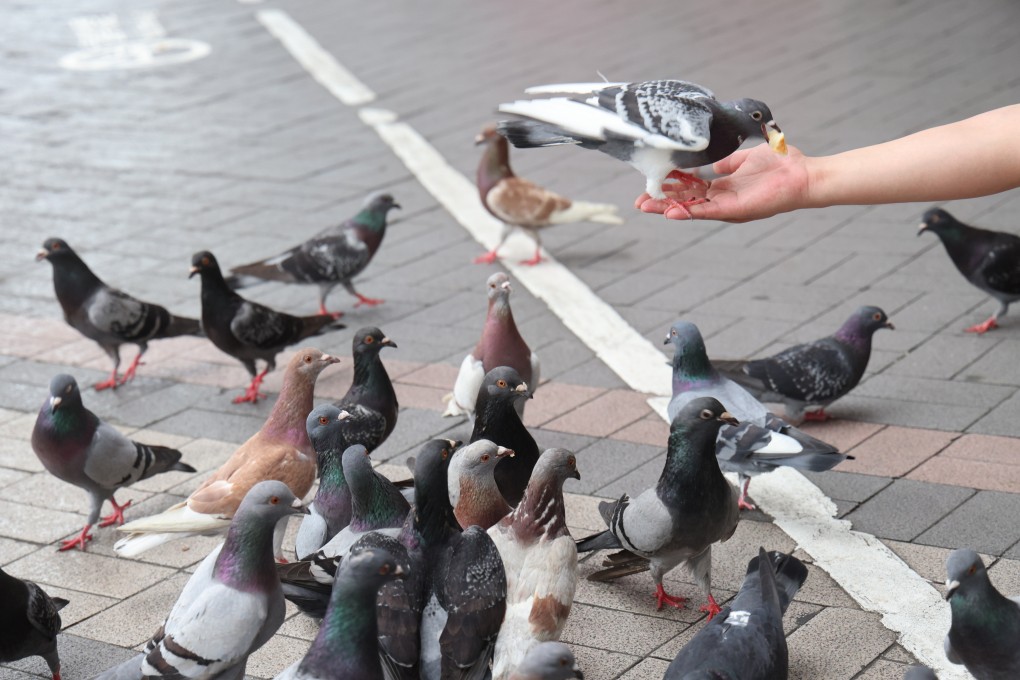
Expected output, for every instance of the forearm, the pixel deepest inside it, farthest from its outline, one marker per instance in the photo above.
(973, 157)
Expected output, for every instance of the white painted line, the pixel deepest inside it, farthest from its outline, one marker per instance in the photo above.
(107, 45)
(317, 61)
(873, 575)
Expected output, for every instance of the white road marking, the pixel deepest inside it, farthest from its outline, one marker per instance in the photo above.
(107, 45)
(872, 574)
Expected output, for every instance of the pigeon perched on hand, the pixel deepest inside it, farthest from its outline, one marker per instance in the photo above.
(474, 494)
(230, 606)
(497, 420)
(372, 388)
(691, 507)
(540, 561)
(335, 256)
(988, 259)
(746, 640)
(658, 126)
(520, 203)
(280, 450)
(75, 446)
(809, 377)
(763, 441)
(986, 624)
(29, 622)
(247, 330)
(548, 661)
(501, 344)
(106, 315)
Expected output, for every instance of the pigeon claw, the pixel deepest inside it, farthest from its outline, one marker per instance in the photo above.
(371, 302)
(252, 394)
(683, 205)
(108, 384)
(983, 328)
(819, 416)
(130, 373)
(687, 178)
(325, 312)
(534, 260)
(743, 504)
(117, 516)
(712, 608)
(662, 597)
(78, 541)
(487, 258)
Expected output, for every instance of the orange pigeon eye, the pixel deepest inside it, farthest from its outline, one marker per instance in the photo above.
(485, 458)
(501, 383)
(275, 500)
(205, 261)
(571, 462)
(384, 569)
(877, 316)
(323, 420)
(308, 358)
(369, 339)
(445, 454)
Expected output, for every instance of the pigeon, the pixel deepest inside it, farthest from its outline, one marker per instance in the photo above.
(29, 622)
(548, 661)
(371, 387)
(763, 441)
(986, 624)
(230, 606)
(474, 495)
(247, 330)
(501, 344)
(520, 203)
(106, 315)
(746, 640)
(497, 420)
(335, 256)
(809, 377)
(280, 450)
(988, 259)
(540, 561)
(691, 507)
(347, 643)
(919, 673)
(658, 126)
(75, 446)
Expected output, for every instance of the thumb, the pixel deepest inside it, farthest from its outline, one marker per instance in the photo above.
(729, 165)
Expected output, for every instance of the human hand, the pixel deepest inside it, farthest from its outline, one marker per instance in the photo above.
(757, 183)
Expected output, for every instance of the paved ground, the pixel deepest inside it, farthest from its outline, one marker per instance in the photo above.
(243, 153)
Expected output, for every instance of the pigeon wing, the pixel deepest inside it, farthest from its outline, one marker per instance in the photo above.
(117, 313)
(113, 460)
(258, 326)
(813, 372)
(42, 611)
(335, 257)
(674, 109)
(1000, 268)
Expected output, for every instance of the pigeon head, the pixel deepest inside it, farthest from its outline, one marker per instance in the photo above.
(479, 456)
(368, 567)
(690, 359)
(548, 661)
(488, 135)
(204, 263)
(504, 385)
(433, 512)
(370, 340)
(270, 500)
(754, 119)
(703, 415)
(964, 572)
(55, 250)
(558, 464)
(940, 222)
(373, 214)
(325, 427)
(64, 393)
(382, 203)
(863, 323)
(357, 466)
(497, 287)
(310, 362)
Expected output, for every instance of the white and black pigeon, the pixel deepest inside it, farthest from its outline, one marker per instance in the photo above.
(691, 507)
(763, 441)
(520, 203)
(746, 640)
(474, 494)
(919, 673)
(658, 126)
(333, 257)
(548, 661)
(808, 377)
(107, 315)
(986, 624)
(501, 344)
(229, 607)
(540, 560)
(371, 388)
(988, 259)
(75, 446)
(29, 622)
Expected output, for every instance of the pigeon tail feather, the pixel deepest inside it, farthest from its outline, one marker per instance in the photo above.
(530, 134)
(182, 325)
(572, 88)
(581, 211)
(604, 540)
(136, 544)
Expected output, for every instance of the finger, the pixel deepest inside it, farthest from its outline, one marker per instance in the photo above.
(641, 199)
(729, 165)
(655, 205)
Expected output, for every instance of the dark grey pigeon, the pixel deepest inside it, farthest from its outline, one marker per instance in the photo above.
(988, 259)
(247, 330)
(691, 507)
(497, 420)
(29, 622)
(347, 645)
(746, 641)
(229, 607)
(658, 126)
(919, 673)
(548, 661)
(107, 315)
(986, 624)
(372, 388)
(809, 377)
(75, 446)
(333, 257)
(763, 441)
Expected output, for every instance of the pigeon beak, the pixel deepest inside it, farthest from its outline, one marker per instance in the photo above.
(299, 507)
(506, 286)
(775, 137)
(454, 443)
(951, 587)
(386, 342)
(576, 474)
(667, 340)
(728, 417)
(192, 272)
(55, 403)
(397, 206)
(522, 390)
(889, 325)
(42, 255)
(399, 571)
(921, 228)
(502, 451)
(330, 359)
(479, 139)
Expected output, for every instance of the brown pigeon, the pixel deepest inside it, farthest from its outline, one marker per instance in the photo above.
(474, 494)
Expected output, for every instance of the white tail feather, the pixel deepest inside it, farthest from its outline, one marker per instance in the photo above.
(135, 544)
(571, 88)
(177, 519)
(582, 211)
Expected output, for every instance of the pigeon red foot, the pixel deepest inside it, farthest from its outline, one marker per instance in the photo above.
(78, 541)
(487, 258)
(130, 373)
(117, 516)
(687, 178)
(712, 608)
(534, 260)
(325, 312)
(108, 384)
(684, 204)
(252, 394)
(817, 416)
(662, 597)
(371, 302)
(742, 502)
(983, 328)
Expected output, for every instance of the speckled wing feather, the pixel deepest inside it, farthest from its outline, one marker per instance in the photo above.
(672, 108)
(336, 257)
(43, 610)
(999, 270)
(815, 372)
(261, 327)
(113, 460)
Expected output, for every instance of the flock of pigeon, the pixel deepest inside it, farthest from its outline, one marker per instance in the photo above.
(467, 569)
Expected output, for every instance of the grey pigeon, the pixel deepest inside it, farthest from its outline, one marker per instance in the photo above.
(29, 622)
(347, 644)
(548, 661)
(809, 377)
(746, 640)
(501, 344)
(371, 387)
(691, 507)
(474, 495)
(75, 446)
(986, 624)
(497, 419)
(106, 315)
(919, 673)
(247, 330)
(763, 441)
(540, 561)
(334, 256)
(988, 259)
(229, 607)
(658, 126)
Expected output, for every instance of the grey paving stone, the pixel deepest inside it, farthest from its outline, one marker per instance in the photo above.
(906, 508)
(951, 417)
(80, 658)
(924, 390)
(414, 426)
(817, 648)
(943, 356)
(985, 522)
(848, 486)
(606, 460)
(223, 426)
(1001, 420)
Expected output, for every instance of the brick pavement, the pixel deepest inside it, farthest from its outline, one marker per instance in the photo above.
(241, 152)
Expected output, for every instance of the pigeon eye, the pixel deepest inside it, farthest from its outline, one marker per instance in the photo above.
(323, 420)
(275, 500)
(205, 261)
(384, 569)
(369, 340)
(308, 358)
(56, 246)
(501, 383)
(756, 115)
(571, 462)
(485, 458)
(877, 316)
(973, 568)
(445, 454)
(706, 414)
